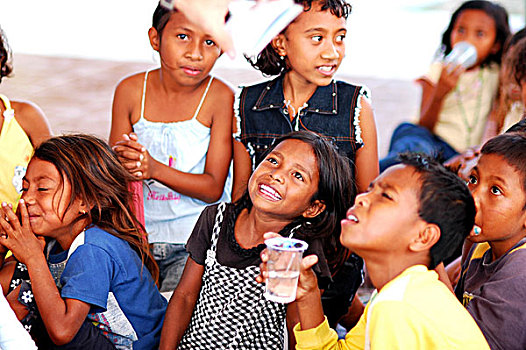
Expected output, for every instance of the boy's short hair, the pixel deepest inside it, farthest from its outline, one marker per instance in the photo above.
(445, 201)
(512, 147)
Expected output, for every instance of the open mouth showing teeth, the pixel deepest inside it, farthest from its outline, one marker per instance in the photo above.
(326, 68)
(352, 218)
(270, 192)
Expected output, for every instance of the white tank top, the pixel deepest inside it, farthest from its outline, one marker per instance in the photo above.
(170, 216)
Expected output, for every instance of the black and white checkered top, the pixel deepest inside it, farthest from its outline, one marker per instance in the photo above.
(231, 311)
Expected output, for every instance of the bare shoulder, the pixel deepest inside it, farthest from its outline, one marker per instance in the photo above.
(221, 90)
(32, 119)
(131, 84)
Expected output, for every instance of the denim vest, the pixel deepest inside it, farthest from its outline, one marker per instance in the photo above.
(333, 111)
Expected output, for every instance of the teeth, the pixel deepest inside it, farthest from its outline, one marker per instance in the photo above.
(352, 218)
(270, 192)
(325, 68)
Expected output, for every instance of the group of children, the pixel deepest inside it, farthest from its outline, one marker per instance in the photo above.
(83, 267)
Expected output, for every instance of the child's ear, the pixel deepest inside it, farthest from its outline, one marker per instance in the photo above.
(427, 237)
(155, 39)
(278, 43)
(85, 207)
(314, 209)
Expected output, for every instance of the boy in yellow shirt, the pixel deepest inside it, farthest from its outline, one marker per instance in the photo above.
(410, 219)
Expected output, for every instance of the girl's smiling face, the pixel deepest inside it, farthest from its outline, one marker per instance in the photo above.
(47, 194)
(497, 188)
(313, 45)
(284, 183)
(477, 28)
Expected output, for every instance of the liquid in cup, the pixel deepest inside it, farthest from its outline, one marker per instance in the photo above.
(284, 259)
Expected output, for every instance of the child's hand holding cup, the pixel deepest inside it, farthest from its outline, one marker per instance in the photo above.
(282, 265)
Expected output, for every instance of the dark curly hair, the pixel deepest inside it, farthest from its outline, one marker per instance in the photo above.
(6, 66)
(269, 62)
(495, 11)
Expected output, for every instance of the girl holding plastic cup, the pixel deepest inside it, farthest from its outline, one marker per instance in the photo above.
(301, 189)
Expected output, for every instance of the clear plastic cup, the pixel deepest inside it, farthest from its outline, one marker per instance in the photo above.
(284, 259)
(463, 54)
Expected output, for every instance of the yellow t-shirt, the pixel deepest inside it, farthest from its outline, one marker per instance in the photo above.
(466, 108)
(413, 311)
(15, 152)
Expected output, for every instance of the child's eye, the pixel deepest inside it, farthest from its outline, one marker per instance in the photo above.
(182, 36)
(317, 38)
(42, 189)
(25, 189)
(495, 190)
(209, 42)
(272, 160)
(472, 180)
(340, 38)
(387, 196)
(480, 34)
(298, 176)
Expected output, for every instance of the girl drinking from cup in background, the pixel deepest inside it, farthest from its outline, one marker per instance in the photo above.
(456, 101)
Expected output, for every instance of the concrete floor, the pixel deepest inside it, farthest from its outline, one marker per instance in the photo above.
(76, 94)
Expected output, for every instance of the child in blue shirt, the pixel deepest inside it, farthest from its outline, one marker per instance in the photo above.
(89, 282)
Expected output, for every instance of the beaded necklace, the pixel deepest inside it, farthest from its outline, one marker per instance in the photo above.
(470, 126)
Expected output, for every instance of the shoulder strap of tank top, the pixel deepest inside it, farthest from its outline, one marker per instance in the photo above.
(144, 93)
(9, 112)
(203, 98)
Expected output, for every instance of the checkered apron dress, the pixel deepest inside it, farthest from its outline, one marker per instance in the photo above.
(231, 312)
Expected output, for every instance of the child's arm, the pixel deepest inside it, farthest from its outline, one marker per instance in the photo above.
(367, 157)
(62, 318)
(242, 170)
(433, 95)
(181, 305)
(207, 186)
(33, 121)
(122, 108)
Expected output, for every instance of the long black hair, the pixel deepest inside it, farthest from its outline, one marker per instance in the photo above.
(336, 189)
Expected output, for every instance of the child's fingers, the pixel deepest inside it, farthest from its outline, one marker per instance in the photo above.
(128, 152)
(131, 144)
(133, 136)
(24, 215)
(13, 222)
(308, 262)
(270, 235)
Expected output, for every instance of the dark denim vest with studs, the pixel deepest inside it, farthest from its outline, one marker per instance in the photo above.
(332, 111)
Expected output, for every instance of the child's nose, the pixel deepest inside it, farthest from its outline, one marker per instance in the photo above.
(194, 51)
(277, 175)
(330, 51)
(362, 199)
